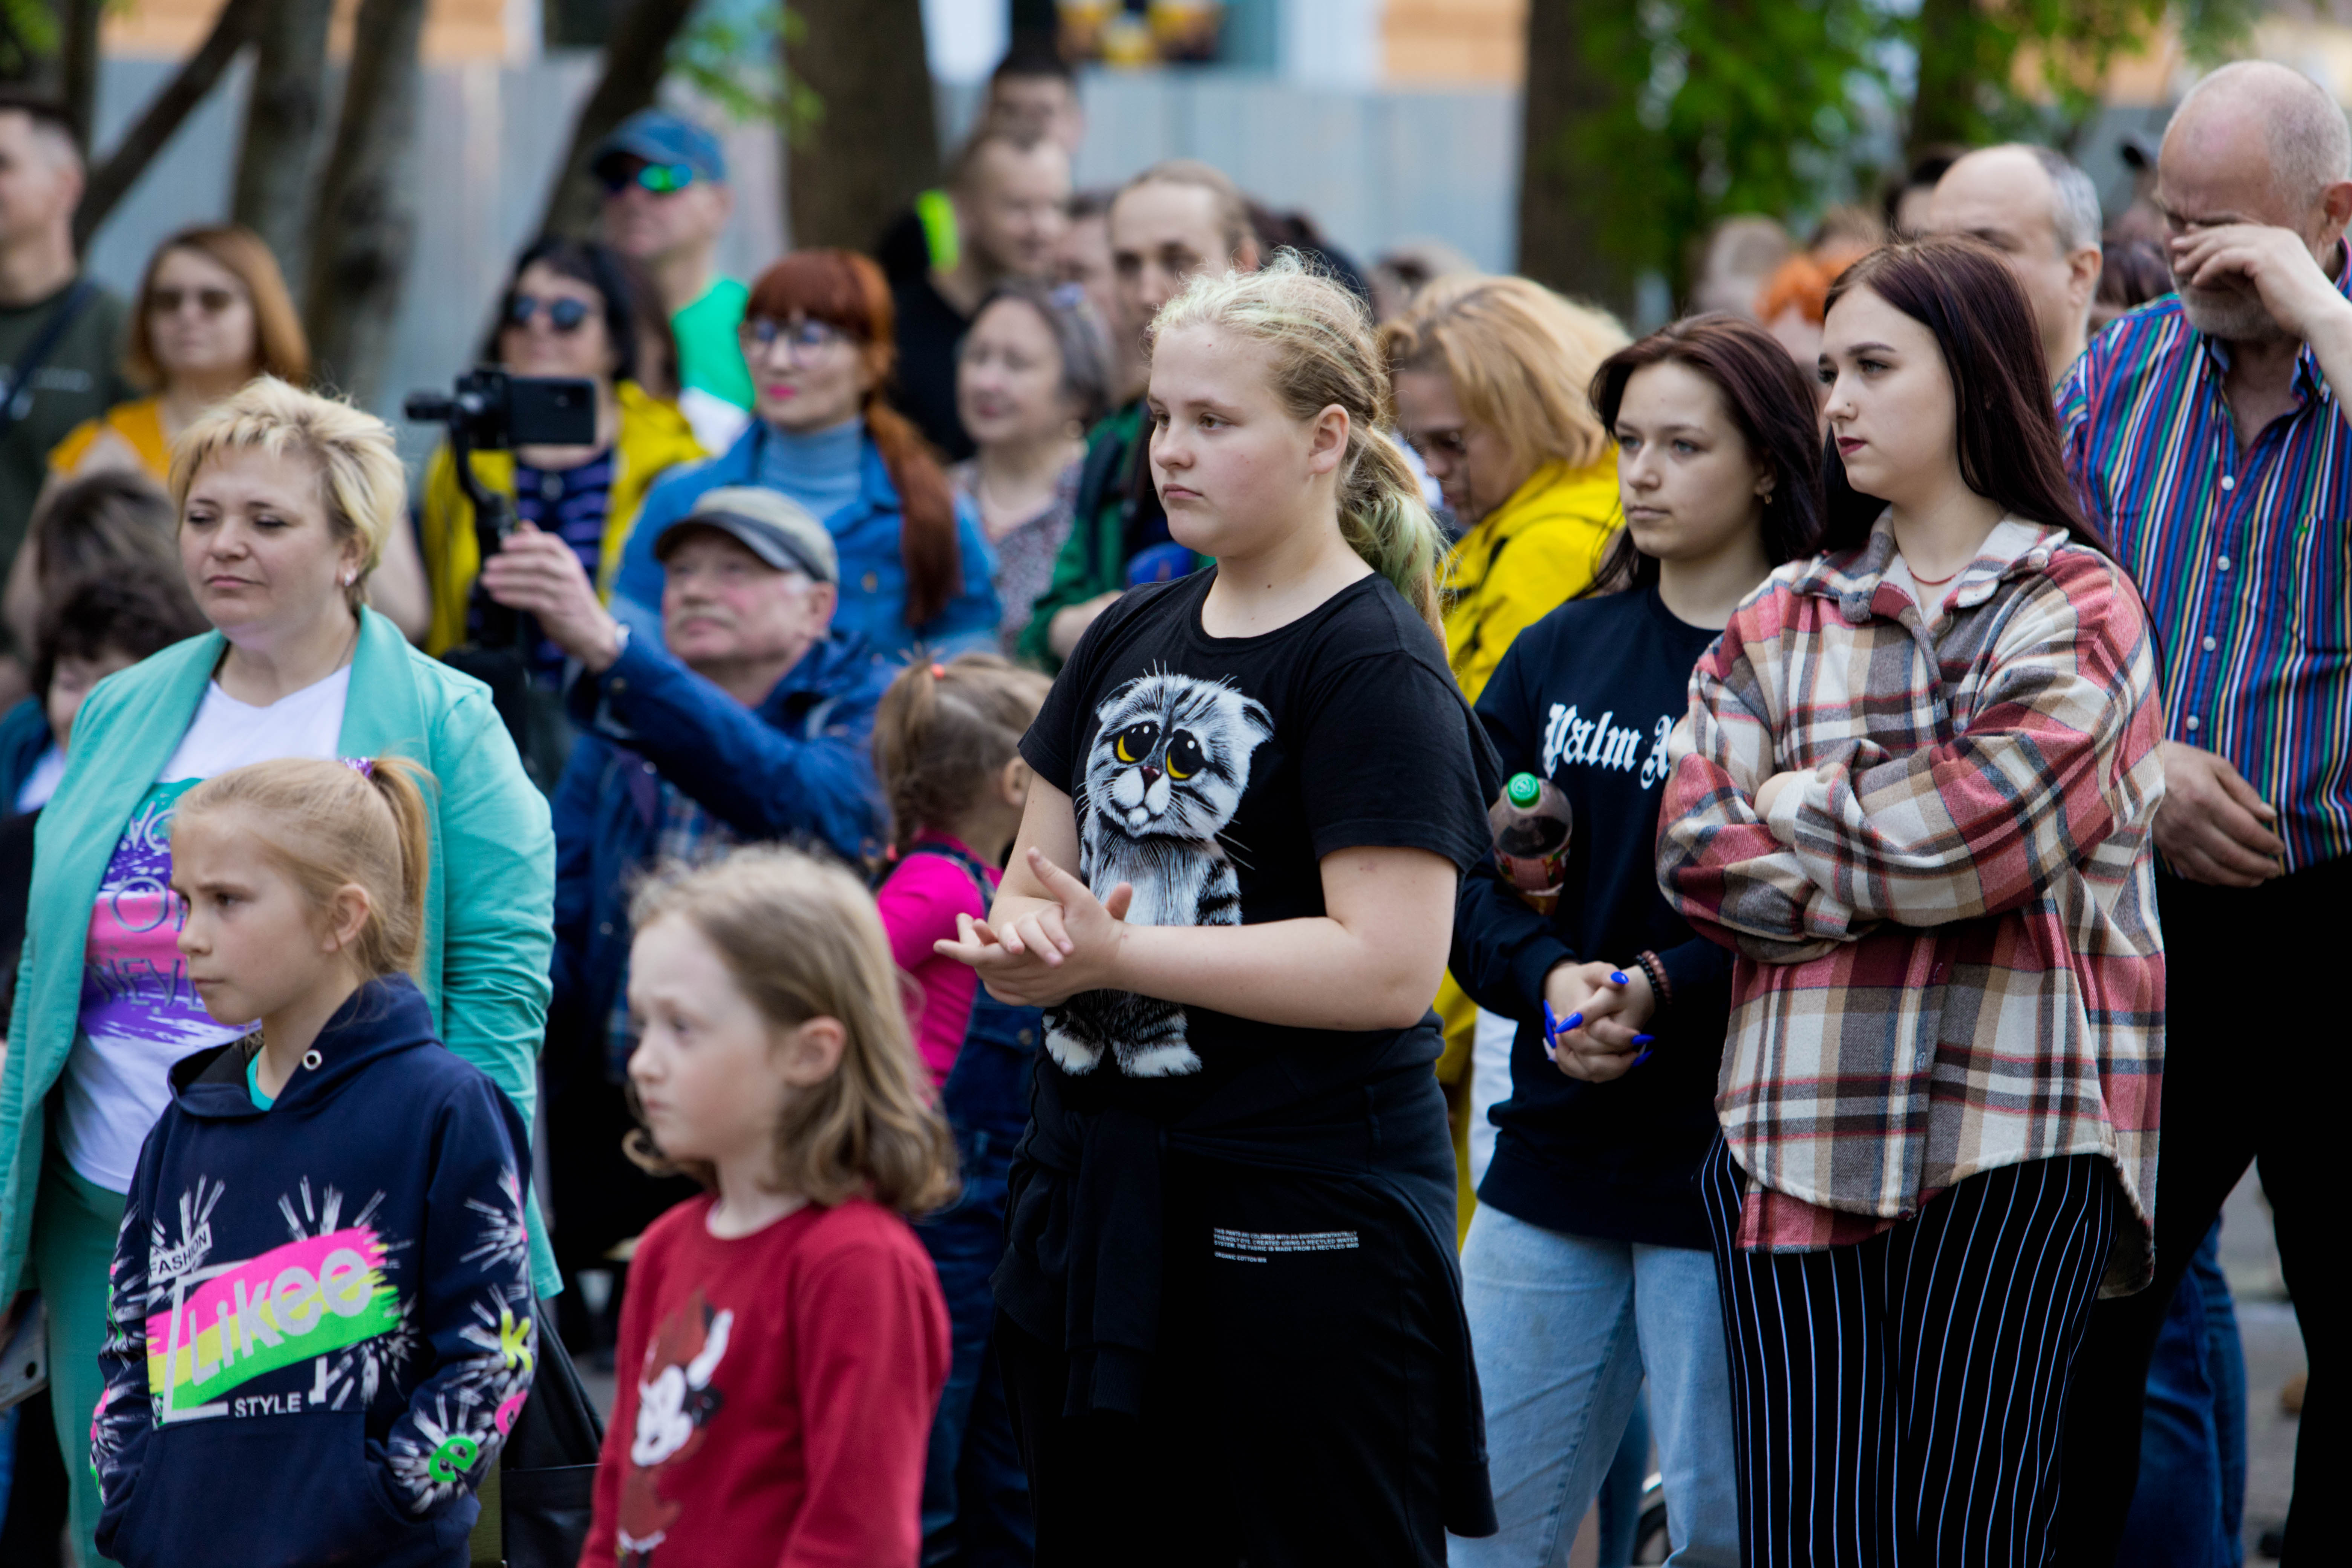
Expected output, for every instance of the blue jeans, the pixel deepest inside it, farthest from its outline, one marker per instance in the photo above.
(2189, 1509)
(1566, 1329)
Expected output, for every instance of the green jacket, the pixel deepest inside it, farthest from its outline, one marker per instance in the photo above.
(490, 907)
(1093, 561)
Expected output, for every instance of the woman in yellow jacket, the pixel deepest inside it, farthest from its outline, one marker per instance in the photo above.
(574, 309)
(1490, 376)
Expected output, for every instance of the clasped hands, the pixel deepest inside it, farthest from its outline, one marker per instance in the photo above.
(1602, 1011)
(1044, 953)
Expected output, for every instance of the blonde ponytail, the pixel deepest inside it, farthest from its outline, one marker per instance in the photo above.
(1324, 353)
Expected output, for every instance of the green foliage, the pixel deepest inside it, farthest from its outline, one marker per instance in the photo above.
(736, 63)
(28, 37)
(1726, 106)
(1786, 106)
(2032, 68)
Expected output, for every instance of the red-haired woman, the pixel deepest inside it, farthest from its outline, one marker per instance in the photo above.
(914, 567)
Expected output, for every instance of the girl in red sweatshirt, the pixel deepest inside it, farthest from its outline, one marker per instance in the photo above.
(783, 1341)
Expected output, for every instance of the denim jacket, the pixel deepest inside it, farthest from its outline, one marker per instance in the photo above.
(797, 767)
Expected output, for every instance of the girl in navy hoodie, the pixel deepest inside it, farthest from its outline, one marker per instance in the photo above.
(321, 1319)
(1586, 1270)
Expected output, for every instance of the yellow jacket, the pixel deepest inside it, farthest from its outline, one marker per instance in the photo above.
(137, 424)
(1526, 559)
(654, 438)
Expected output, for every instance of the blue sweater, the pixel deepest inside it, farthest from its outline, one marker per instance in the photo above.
(865, 534)
(321, 1325)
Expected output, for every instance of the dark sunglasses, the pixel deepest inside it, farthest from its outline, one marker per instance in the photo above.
(212, 301)
(564, 315)
(661, 179)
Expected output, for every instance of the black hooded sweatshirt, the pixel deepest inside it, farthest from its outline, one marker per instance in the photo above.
(322, 1321)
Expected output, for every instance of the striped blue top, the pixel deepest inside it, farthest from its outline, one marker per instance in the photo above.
(2241, 557)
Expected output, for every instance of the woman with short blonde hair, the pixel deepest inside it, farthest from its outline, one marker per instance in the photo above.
(285, 502)
(1491, 376)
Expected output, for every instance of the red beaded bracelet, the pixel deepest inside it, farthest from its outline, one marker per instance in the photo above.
(1656, 970)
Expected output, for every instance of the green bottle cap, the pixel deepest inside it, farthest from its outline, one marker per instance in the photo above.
(1524, 789)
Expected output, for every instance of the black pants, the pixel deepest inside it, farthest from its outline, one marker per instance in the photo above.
(1292, 1406)
(2254, 1070)
(1900, 1401)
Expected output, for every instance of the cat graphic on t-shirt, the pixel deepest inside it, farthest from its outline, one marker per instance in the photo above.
(1167, 767)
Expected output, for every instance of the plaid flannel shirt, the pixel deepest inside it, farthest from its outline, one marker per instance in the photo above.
(1948, 951)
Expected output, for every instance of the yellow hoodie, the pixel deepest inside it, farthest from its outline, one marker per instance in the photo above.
(654, 438)
(1525, 559)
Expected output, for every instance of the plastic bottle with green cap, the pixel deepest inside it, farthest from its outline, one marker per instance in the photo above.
(1531, 823)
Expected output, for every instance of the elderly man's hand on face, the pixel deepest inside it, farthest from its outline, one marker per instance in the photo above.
(538, 574)
(2274, 262)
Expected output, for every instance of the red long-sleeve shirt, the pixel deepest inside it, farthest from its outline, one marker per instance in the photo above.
(776, 1395)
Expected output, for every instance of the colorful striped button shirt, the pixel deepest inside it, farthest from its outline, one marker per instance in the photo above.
(2244, 559)
(1947, 954)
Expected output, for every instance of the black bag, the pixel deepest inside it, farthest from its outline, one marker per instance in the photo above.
(541, 1492)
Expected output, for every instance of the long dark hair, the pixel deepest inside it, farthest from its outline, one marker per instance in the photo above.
(1961, 291)
(847, 291)
(1769, 402)
(645, 350)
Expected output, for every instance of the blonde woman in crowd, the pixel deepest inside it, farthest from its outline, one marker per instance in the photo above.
(1490, 377)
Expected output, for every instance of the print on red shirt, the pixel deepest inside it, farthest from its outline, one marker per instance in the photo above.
(675, 1405)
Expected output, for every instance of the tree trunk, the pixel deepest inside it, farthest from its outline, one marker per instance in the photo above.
(1944, 111)
(875, 145)
(1560, 220)
(366, 224)
(282, 116)
(78, 66)
(635, 59)
(111, 180)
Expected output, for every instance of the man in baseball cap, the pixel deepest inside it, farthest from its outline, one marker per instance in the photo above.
(754, 723)
(667, 203)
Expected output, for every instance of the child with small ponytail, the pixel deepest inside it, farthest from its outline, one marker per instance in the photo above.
(947, 748)
(322, 1286)
(1255, 789)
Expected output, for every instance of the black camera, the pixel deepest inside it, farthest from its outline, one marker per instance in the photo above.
(490, 411)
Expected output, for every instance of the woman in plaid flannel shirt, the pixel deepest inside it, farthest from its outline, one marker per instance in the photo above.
(1914, 795)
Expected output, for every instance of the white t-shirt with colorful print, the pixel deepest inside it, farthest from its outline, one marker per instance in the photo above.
(139, 1013)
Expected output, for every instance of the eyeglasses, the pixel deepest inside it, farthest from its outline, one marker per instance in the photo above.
(802, 339)
(564, 315)
(661, 179)
(1453, 445)
(211, 302)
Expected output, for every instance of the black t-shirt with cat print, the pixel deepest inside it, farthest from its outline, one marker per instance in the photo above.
(1213, 774)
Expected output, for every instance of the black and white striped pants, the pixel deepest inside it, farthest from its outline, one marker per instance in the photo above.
(1899, 1403)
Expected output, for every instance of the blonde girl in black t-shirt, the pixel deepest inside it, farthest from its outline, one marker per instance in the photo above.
(1231, 1319)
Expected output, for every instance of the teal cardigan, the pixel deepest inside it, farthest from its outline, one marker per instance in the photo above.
(489, 905)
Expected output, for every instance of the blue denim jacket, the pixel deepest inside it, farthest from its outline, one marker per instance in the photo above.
(797, 767)
(866, 534)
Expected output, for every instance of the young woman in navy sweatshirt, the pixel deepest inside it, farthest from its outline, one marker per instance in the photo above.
(1587, 1268)
(321, 1318)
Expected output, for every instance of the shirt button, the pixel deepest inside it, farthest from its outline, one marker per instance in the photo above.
(2192, 724)
(2228, 483)
(2223, 563)
(2209, 645)
(869, 582)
